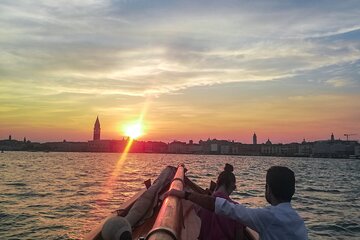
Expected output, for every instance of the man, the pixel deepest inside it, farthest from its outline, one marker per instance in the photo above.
(278, 221)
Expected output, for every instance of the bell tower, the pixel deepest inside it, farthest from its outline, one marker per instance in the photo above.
(254, 139)
(97, 129)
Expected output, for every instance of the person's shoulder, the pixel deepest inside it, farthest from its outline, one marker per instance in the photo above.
(221, 194)
(224, 196)
(286, 211)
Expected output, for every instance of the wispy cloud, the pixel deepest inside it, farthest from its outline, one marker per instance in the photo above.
(136, 49)
(338, 82)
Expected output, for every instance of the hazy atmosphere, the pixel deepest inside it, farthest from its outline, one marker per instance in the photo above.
(189, 70)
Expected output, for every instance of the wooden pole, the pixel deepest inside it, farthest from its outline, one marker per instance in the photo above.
(169, 220)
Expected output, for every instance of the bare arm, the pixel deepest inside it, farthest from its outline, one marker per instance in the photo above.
(205, 201)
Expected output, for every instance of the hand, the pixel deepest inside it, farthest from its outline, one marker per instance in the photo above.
(176, 193)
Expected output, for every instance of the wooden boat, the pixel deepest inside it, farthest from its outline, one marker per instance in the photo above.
(172, 218)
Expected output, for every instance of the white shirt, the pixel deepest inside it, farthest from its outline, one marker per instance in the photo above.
(280, 222)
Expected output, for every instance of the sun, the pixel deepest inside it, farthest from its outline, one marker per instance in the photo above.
(133, 130)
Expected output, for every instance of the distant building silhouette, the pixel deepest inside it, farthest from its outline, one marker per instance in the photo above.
(332, 137)
(329, 148)
(97, 129)
(254, 139)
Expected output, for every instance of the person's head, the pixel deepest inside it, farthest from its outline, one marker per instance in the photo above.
(280, 185)
(227, 179)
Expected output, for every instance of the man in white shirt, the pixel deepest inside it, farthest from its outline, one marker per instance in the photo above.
(278, 221)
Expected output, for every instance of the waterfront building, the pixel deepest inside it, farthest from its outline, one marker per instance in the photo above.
(334, 148)
(15, 145)
(195, 148)
(214, 146)
(225, 149)
(357, 150)
(155, 147)
(305, 149)
(270, 149)
(107, 145)
(178, 147)
(65, 146)
(290, 149)
(248, 149)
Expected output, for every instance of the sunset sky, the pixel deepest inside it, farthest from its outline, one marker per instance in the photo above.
(286, 70)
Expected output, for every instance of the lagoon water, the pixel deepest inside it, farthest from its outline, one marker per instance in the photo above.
(64, 195)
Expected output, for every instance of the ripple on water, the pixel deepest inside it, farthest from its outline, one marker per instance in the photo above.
(335, 229)
(32, 194)
(62, 195)
(310, 189)
(73, 208)
(16, 184)
(245, 194)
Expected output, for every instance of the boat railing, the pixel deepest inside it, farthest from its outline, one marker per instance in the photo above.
(168, 222)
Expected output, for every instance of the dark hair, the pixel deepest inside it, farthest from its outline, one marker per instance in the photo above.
(281, 181)
(125, 236)
(226, 177)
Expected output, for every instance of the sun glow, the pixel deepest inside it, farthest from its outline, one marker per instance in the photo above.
(134, 130)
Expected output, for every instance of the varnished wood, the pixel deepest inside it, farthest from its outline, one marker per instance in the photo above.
(169, 215)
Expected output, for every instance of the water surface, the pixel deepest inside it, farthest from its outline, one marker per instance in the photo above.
(65, 195)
